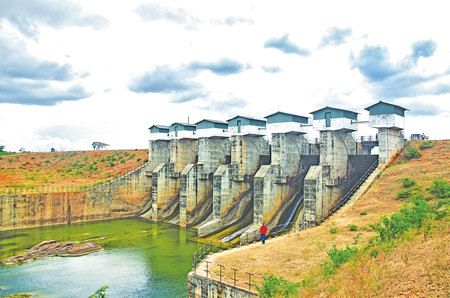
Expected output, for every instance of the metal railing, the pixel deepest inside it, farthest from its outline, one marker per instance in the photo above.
(276, 230)
(344, 199)
(231, 276)
(369, 138)
(206, 248)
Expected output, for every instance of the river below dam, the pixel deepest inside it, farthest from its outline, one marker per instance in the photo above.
(133, 264)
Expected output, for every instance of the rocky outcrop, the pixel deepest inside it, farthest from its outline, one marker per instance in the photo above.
(52, 248)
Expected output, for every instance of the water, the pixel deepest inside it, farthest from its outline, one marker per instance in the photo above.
(133, 264)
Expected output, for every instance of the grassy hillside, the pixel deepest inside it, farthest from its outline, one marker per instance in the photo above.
(67, 168)
(416, 263)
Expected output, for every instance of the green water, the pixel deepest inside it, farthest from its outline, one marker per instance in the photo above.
(133, 264)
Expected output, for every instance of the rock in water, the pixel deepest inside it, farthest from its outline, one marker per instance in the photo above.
(52, 248)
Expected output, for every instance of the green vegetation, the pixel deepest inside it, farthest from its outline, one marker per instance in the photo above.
(412, 153)
(273, 286)
(353, 227)
(407, 183)
(420, 217)
(334, 230)
(440, 189)
(410, 189)
(426, 145)
(100, 293)
(363, 213)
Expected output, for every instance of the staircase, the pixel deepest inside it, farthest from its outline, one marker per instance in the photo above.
(355, 192)
(366, 184)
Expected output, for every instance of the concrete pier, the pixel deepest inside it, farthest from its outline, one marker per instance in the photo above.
(233, 183)
(196, 180)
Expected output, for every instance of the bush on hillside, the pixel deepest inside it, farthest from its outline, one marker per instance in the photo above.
(413, 153)
(439, 189)
(273, 286)
(407, 183)
(425, 145)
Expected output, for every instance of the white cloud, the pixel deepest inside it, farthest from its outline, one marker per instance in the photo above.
(220, 69)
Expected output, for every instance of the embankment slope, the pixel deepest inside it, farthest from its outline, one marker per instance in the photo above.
(296, 255)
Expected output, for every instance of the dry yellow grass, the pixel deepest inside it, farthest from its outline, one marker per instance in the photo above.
(295, 255)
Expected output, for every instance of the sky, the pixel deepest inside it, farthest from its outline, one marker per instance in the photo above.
(75, 72)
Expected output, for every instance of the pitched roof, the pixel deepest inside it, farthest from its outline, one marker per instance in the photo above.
(246, 117)
(285, 114)
(387, 103)
(214, 121)
(159, 126)
(327, 107)
(184, 124)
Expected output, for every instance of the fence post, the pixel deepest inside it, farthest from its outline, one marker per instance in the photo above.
(207, 268)
(220, 275)
(234, 277)
(249, 282)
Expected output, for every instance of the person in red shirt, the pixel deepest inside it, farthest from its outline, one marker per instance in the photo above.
(263, 231)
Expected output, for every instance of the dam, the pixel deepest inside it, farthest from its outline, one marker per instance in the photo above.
(226, 178)
(230, 177)
(223, 179)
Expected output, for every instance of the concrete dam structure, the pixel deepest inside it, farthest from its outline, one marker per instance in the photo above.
(214, 175)
(228, 177)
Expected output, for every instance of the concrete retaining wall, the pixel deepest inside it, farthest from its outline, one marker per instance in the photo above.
(123, 197)
(204, 287)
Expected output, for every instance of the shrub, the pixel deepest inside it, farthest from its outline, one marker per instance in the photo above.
(353, 227)
(145, 160)
(138, 159)
(363, 213)
(273, 286)
(338, 257)
(407, 183)
(122, 161)
(334, 230)
(425, 145)
(405, 194)
(409, 216)
(412, 153)
(440, 189)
